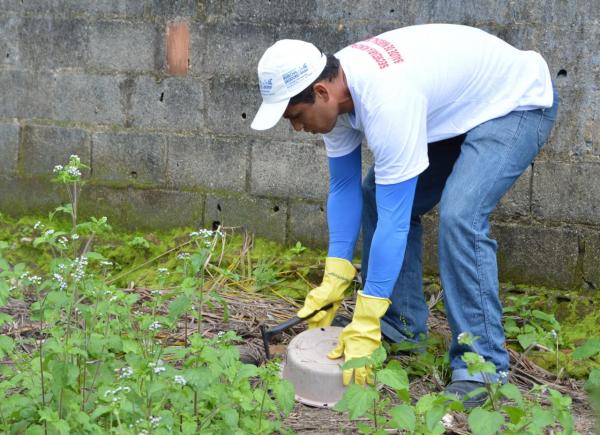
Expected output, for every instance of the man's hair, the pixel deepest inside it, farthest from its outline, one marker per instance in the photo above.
(329, 73)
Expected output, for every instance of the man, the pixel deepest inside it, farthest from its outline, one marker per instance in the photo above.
(452, 115)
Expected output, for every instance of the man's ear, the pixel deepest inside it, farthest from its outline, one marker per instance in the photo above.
(321, 91)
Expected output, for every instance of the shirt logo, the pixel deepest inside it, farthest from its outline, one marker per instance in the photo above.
(375, 46)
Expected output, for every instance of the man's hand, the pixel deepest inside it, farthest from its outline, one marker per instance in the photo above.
(337, 278)
(361, 337)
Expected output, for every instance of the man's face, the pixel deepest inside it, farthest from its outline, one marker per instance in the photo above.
(318, 117)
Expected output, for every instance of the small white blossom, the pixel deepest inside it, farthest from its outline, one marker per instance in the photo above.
(154, 421)
(49, 232)
(159, 370)
(37, 225)
(58, 168)
(183, 256)
(35, 280)
(163, 270)
(503, 376)
(554, 334)
(61, 281)
(74, 171)
(106, 263)
(154, 326)
(180, 380)
(143, 432)
(75, 236)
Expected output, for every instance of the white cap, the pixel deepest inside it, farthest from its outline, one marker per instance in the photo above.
(287, 68)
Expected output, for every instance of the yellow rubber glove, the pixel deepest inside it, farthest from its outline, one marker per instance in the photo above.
(338, 276)
(361, 337)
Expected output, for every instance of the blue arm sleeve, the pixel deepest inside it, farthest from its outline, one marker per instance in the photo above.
(394, 205)
(344, 204)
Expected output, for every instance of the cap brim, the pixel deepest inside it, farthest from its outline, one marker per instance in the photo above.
(269, 114)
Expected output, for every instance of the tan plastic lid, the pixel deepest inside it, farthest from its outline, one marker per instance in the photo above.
(317, 379)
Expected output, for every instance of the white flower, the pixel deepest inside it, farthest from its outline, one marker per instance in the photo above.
(49, 232)
(159, 370)
(154, 326)
(554, 334)
(73, 171)
(35, 280)
(154, 421)
(157, 367)
(75, 236)
(143, 432)
(180, 380)
(125, 372)
(58, 168)
(37, 225)
(503, 375)
(163, 270)
(183, 256)
(106, 263)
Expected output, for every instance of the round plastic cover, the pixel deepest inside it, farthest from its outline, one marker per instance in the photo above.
(317, 379)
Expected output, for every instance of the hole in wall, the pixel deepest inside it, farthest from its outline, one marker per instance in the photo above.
(276, 208)
(133, 174)
(321, 208)
(391, 11)
(562, 73)
(243, 115)
(216, 225)
(7, 55)
(162, 96)
(219, 207)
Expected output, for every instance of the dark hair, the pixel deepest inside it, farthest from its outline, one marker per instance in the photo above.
(329, 73)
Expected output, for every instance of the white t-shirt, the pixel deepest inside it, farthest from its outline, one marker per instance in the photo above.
(426, 83)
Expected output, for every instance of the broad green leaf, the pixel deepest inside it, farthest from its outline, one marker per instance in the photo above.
(526, 340)
(425, 403)
(593, 382)
(484, 422)
(394, 377)
(356, 363)
(7, 345)
(434, 416)
(510, 391)
(515, 414)
(357, 400)
(230, 417)
(403, 417)
(546, 317)
(379, 356)
(284, 394)
(541, 418)
(590, 348)
(179, 306)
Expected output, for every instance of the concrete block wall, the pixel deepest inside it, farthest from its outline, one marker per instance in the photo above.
(91, 78)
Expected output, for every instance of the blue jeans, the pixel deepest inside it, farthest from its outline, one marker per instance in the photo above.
(467, 176)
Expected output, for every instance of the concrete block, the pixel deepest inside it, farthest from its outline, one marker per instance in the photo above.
(590, 239)
(125, 46)
(138, 209)
(567, 192)
(89, 98)
(44, 147)
(233, 105)
(289, 170)
(329, 38)
(22, 196)
(125, 158)
(308, 224)
(224, 47)
(264, 217)
(261, 10)
(9, 41)
(517, 200)
(537, 254)
(207, 162)
(27, 94)
(9, 146)
(173, 103)
(49, 42)
(175, 8)
(108, 8)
